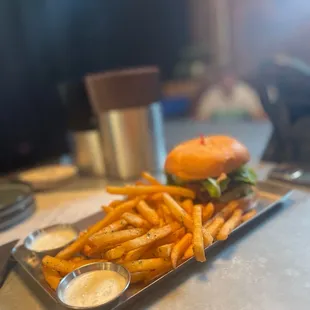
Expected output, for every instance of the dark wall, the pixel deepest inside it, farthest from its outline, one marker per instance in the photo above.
(46, 42)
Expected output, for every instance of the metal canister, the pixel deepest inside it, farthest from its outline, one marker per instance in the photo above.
(83, 127)
(87, 153)
(130, 120)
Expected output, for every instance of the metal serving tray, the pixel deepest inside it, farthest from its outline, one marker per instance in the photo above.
(270, 195)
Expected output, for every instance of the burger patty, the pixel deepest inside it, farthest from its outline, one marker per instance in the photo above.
(235, 185)
(234, 191)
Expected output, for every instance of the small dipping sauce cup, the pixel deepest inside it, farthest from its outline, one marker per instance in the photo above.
(93, 286)
(50, 240)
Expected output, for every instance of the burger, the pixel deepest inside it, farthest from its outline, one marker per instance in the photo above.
(214, 167)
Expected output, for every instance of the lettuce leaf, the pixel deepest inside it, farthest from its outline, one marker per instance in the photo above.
(244, 175)
(213, 188)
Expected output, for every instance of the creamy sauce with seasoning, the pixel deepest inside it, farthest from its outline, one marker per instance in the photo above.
(53, 239)
(94, 288)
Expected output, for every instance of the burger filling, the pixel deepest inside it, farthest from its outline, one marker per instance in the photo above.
(234, 185)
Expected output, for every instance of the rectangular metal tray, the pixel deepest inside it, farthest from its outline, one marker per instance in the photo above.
(270, 195)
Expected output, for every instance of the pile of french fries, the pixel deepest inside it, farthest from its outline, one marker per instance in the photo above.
(154, 229)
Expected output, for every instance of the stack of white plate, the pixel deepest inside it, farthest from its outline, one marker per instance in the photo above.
(16, 204)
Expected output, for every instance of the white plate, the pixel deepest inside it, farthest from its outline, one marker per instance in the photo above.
(46, 177)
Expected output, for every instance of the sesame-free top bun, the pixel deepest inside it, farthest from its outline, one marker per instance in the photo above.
(206, 157)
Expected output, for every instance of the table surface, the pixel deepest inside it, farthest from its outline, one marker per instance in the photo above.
(268, 268)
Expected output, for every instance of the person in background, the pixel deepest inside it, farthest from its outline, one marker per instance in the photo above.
(229, 97)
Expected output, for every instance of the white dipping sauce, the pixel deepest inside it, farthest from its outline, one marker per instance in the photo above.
(94, 288)
(53, 239)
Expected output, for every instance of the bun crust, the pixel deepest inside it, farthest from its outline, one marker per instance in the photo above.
(206, 157)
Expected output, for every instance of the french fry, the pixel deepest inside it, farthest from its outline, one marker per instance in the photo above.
(151, 236)
(86, 250)
(150, 178)
(65, 267)
(178, 199)
(160, 212)
(164, 251)
(165, 209)
(119, 261)
(207, 212)
(157, 273)
(230, 225)
(172, 238)
(121, 209)
(79, 243)
(136, 220)
(77, 259)
(136, 253)
(161, 222)
(156, 197)
(115, 226)
(107, 209)
(188, 253)
(180, 248)
(115, 253)
(214, 227)
(115, 203)
(57, 264)
(152, 189)
(52, 277)
(138, 276)
(146, 264)
(249, 215)
(207, 237)
(113, 238)
(227, 211)
(188, 205)
(198, 241)
(166, 213)
(148, 213)
(178, 212)
(150, 253)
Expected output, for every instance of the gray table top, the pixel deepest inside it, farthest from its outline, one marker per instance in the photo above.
(267, 268)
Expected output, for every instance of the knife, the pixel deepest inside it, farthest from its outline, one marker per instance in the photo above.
(6, 260)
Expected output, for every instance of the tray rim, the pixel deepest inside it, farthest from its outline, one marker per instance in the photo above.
(287, 191)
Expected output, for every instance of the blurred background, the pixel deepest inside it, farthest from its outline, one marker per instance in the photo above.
(208, 51)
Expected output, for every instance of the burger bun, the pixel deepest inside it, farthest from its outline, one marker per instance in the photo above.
(206, 157)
